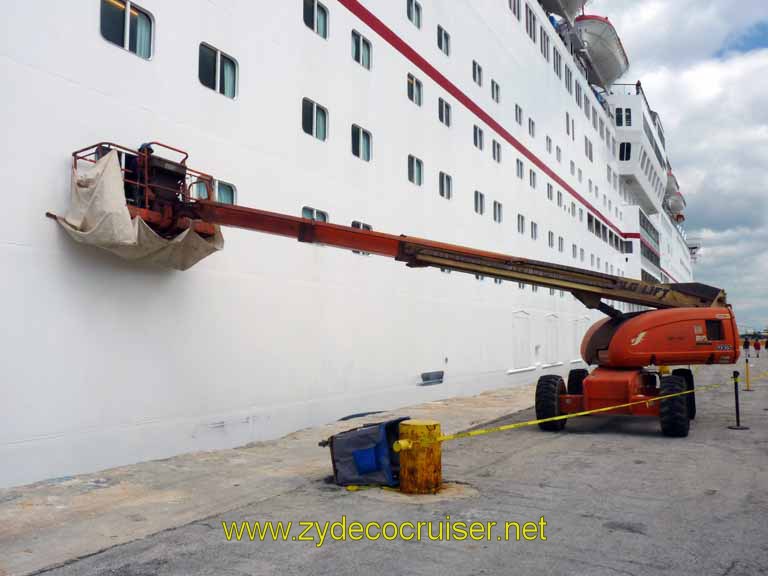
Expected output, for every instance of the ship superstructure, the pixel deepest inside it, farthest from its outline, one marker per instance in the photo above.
(477, 123)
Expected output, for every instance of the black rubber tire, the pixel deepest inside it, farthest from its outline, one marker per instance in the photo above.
(548, 391)
(687, 374)
(576, 380)
(673, 412)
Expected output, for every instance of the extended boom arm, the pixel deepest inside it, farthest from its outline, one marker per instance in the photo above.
(161, 195)
(589, 287)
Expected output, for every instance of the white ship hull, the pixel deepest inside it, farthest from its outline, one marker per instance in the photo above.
(107, 363)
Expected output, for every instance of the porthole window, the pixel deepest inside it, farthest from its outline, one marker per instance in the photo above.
(125, 24)
(217, 71)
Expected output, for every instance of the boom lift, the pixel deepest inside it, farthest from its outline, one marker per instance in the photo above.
(689, 323)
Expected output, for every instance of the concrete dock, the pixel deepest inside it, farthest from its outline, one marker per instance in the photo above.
(616, 498)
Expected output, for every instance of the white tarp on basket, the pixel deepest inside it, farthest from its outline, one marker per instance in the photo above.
(98, 216)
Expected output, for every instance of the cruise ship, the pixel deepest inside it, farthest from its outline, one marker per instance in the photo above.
(506, 125)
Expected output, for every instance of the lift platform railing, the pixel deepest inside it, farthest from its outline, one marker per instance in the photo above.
(151, 198)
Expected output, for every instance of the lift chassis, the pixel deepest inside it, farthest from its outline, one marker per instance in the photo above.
(684, 324)
(627, 350)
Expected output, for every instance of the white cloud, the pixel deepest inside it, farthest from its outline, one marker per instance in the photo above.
(673, 32)
(735, 260)
(716, 122)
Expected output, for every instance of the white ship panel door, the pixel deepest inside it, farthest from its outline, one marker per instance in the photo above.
(585, 325)
(521, 328)
(551, 340)
(573, 348)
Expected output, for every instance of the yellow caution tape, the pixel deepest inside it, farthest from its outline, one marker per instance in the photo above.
(358, 487)
(409, 444)
(515, 425)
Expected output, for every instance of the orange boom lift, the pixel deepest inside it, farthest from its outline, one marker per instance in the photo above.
(688, 324)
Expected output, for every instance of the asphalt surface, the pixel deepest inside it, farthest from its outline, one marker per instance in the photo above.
(617, 498)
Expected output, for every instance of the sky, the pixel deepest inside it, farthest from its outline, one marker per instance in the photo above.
(704, 67)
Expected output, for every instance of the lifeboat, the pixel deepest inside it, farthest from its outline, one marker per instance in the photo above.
(606, 58)
(567, 9)
(675, 203)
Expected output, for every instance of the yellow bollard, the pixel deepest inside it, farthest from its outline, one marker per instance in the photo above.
(421, 470)
(749, 382)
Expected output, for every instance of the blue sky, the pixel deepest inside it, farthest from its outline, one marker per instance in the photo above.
(753, 38)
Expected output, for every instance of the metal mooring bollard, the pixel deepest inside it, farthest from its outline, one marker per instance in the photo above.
(421, 470)
(736, 397)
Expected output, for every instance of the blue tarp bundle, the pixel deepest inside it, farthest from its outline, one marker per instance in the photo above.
(365, 455)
